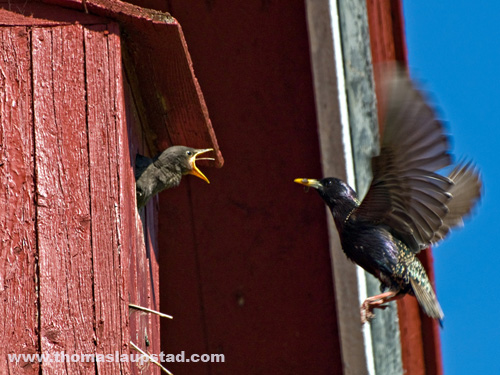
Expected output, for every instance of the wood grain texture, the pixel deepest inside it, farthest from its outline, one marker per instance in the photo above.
(62, 186)
(18, 253)
(145, 327)
(69, 226)
(104, 122)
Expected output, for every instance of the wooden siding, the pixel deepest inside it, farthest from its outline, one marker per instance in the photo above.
(69, 225)
(18, 250)
(63, 220)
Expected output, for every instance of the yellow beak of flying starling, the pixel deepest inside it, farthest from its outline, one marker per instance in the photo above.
(192, 162)
(308, 182)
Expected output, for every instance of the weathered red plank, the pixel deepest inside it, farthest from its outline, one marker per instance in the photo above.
(62, 194)
(381, 31)
(127, 230)
(400, 48)
(102, 48)
(18, 308)
(152, 251)
(143, 262)
(145, 328)
(63, 207)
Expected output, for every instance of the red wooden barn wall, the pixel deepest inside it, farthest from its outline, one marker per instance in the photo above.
(261, 291)
(71, 257)
(17, 221)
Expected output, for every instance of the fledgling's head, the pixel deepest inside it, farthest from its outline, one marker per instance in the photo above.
(183, 159)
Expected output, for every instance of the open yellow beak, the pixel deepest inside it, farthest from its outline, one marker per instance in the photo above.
(192, 161)
(309, 182)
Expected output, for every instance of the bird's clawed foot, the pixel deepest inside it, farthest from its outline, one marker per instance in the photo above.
(367, 313)
(376, 302)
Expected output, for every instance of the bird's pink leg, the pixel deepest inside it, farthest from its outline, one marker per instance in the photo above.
(377, 302)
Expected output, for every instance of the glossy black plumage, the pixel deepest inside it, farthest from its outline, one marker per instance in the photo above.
(408, 205)
(165, 171)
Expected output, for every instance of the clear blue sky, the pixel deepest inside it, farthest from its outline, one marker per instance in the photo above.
(454, 50)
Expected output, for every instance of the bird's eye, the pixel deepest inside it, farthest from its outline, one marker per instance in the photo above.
(189, 153)
(328, 184)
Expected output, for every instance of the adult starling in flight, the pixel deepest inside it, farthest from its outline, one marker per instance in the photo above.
(165, 171)
(408, 205)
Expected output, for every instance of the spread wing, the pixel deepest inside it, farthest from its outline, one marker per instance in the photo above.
(406, 193)
(466, 190)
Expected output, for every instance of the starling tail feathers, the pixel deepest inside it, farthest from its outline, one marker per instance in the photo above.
(426, 297)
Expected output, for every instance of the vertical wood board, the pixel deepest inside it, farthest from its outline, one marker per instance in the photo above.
(18, 254)
(103, 124)
(62, 185)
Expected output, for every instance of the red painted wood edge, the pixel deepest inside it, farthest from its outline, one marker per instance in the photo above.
(104, 103)
(22, 13)
(419, 334)
(175, 110)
